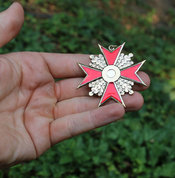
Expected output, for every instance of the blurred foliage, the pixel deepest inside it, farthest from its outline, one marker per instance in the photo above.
(142, 145)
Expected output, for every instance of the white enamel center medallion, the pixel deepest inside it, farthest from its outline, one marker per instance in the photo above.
(111, 73)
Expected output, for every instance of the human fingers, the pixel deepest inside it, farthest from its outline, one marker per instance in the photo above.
(72, 125)
(82, 104)
(66, 89)
(11, 21)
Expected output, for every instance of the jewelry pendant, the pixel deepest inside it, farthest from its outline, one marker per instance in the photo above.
(111, 75)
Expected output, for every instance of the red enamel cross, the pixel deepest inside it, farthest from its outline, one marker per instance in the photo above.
(112, 74)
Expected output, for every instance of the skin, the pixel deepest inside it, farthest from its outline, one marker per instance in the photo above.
(35, 111)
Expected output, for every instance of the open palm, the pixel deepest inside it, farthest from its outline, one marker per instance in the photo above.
(35, 111)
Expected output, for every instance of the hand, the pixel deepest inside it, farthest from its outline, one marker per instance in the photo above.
(35, 111)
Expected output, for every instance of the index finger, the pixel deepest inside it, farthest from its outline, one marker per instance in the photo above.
(65, 65)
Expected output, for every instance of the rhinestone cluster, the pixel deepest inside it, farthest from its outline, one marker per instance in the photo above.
(123, 85)
(124, 61)
(97, 87)
(97, 62)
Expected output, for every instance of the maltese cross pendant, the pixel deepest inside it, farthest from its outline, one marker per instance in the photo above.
(111, 75)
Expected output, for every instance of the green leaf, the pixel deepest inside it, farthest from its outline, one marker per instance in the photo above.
(65, 159)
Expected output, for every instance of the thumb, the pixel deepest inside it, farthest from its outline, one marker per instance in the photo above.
(11, 21)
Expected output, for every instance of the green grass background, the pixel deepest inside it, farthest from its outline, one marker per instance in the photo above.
(142, 144)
